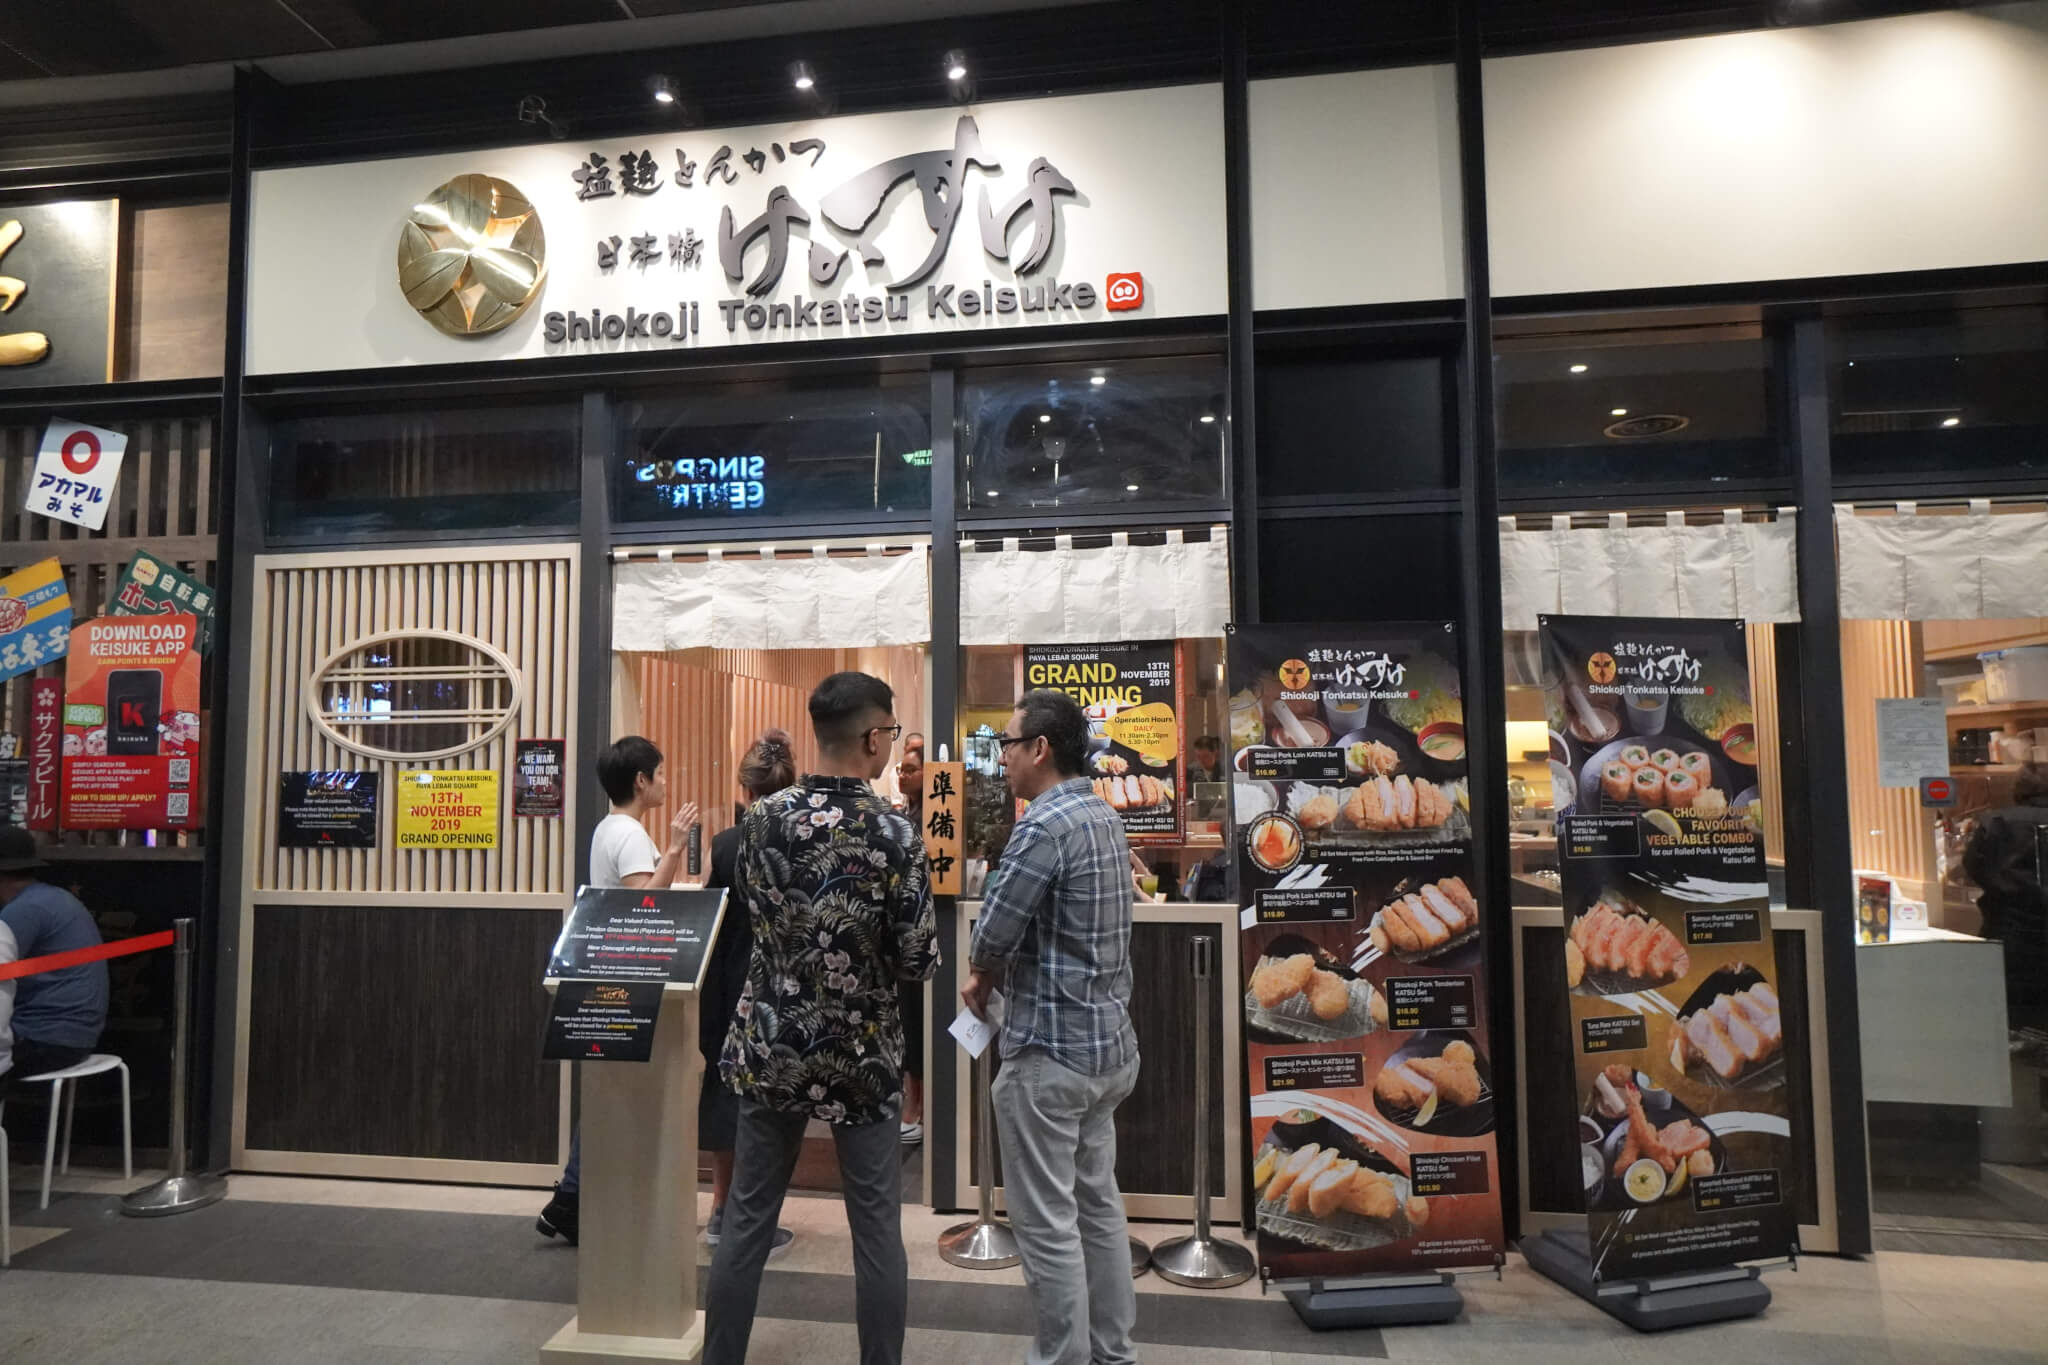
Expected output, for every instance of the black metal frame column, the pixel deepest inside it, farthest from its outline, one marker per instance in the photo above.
(1826, 769)
(240, 445)
(594, 606)
(1481, 634)
(1237, 217)
(942, 1137)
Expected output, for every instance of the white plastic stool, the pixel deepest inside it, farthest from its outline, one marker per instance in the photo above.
(91, 1066)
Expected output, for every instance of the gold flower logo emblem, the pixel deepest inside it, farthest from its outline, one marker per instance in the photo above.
(472, 255)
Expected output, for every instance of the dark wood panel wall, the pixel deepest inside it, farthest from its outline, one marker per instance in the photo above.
(1155, 1127)
(409, 1031)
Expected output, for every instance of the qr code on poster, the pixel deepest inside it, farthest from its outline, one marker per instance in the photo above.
(178, 806)
(181, 772)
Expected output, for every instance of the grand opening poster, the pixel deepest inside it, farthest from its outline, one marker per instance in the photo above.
(131, 724)
(1677, 1039)
(1131, 692)
(1372, 1098)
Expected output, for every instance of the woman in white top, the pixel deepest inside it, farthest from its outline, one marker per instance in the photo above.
(622, 853)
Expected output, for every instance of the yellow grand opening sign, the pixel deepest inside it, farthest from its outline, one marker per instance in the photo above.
(448, 808)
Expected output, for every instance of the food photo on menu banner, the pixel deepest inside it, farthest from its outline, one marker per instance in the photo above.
(1372, 1099)
(1130, 692)
(1684, 1115)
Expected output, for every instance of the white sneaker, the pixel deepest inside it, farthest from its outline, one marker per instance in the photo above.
(913, 1133)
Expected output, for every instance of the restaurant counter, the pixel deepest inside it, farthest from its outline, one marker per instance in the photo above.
(1932, 1004)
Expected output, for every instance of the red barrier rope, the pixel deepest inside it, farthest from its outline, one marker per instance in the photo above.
(34, 966)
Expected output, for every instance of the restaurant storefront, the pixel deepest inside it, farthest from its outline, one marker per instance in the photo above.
(648, 426)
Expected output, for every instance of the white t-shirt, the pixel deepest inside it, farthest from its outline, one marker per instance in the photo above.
(620, 847)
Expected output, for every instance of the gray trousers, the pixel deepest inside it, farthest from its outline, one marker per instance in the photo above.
(1059, 1180)
(871, 1177)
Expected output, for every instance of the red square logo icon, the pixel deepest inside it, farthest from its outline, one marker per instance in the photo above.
(1124, 292)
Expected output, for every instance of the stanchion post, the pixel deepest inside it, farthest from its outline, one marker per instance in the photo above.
(178, 1192)
(1200, 1261)
(987, 1243)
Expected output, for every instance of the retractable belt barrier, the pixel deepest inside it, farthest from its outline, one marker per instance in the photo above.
(74, 957)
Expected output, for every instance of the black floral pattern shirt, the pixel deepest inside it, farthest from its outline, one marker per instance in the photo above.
(833, 882)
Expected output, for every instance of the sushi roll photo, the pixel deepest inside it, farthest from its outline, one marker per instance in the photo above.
(1649, 786)
(1636, 756)
(1616, 780)
(1680, 790)
(1666, 759)
(1697, 766)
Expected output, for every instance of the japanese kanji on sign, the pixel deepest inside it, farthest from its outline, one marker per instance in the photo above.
(151, 587)
(35, 618)
(76, 469)
(944, 785)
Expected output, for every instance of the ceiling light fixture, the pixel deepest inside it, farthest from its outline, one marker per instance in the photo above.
(801, 75)
(664, 90)
(1578, 369)
(1130, 488)
(1044, 417)
(1951, 421)
(1207, 418)
(956, 65)
(1098, 380)
(1617, 412)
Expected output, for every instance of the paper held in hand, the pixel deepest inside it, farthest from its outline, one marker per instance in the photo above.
(974, 1032)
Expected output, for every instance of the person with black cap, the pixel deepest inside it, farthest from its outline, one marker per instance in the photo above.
(57, 1015)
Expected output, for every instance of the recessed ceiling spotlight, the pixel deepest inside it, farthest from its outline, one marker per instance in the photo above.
(1098, 380)
(1578, 369)
(1044, 417)
(1207, 418)
(664, 90)
(1951, 421)
(1617, 412)
(955, 63)
(1130, 488)
(801, 75)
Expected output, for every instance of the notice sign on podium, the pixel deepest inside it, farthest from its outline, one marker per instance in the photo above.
(603, 1021)
(623, 933)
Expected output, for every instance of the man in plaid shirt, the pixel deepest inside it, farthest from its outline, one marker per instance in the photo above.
(1055, 931)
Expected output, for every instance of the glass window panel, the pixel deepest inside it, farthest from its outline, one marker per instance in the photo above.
(1192, 866)
(1587, 410)
(1332, 424)
(1074, 436)
(451, 469)
(1959, 392)
(756, 451)
(1343, 569)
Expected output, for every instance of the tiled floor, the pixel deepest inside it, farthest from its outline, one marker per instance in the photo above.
(319, 1271)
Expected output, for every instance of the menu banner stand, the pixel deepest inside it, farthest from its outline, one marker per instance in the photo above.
(1200, 1261)
(1677, 1041)
(1651, 1303)
(636, 1272)
(987, 1243)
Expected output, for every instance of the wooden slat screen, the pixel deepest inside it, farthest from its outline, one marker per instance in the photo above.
(703, 707)
(1763, 696)
(520, 599)
(164, 503)
(1889, 831)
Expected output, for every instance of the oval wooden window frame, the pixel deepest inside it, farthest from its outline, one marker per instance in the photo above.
(315, 712)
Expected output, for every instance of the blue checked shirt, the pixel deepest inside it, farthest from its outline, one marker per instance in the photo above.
(1057, 919)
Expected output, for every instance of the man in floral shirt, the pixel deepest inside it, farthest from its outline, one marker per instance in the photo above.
(833, 881)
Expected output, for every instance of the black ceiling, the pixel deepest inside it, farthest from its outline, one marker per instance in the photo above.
(43, 38)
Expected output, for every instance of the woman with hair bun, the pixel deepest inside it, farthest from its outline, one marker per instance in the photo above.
(768, 765)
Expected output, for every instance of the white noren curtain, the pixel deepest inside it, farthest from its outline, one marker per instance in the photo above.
(1733, 568)
(1119, 591)
(1968, 566)
(747, 601)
